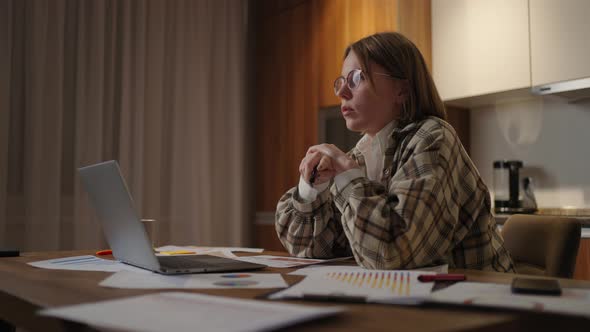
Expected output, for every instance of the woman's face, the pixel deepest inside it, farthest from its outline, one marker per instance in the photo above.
(365, 109)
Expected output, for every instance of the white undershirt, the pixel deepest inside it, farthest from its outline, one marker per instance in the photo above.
(373, 150)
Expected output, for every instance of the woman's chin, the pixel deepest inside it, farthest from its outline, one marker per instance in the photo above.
(354, 126)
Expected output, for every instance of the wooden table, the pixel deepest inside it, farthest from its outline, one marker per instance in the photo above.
(25, 289)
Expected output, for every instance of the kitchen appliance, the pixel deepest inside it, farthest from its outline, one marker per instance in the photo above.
(509, 191)
(573, 90)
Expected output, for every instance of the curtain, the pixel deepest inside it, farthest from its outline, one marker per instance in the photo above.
(159, 86)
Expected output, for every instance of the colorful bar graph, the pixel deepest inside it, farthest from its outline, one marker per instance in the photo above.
(395, 282)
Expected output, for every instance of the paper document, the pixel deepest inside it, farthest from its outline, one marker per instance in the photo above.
(183, 252)
(304, 271)
(286, 261)
(126, 279)
(572, 301)
(86, 263)
(189, 312)
(203, 250)
(307, 270)
(382, 286)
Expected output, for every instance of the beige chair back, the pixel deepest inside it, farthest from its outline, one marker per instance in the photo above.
(543, 245)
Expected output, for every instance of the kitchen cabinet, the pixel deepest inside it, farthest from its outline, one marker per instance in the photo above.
(485, 52)
(560, 45)
(479, 47)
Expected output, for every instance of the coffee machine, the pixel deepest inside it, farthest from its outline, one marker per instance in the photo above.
(510, 195)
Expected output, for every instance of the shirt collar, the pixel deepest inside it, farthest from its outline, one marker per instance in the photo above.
(384, 134)
(380, 139)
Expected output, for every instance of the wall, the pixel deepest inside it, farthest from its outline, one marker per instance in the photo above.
(549, 135)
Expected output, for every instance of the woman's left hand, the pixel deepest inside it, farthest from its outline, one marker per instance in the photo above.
(339, 161)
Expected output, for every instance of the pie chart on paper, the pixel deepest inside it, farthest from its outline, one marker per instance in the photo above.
(236, 280)
(236, 275)
(235, 283)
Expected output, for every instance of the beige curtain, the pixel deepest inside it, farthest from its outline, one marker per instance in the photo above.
(158, 85)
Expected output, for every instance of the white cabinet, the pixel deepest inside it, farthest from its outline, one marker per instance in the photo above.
(560, 40)
(480, 47)
(487, 51)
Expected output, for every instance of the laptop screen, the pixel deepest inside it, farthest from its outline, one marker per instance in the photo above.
(120, 221)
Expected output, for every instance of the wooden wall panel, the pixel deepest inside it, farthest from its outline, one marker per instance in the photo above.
(414, 23)
(285, 99)
(582, 270)
(266, 237)
(332, 41)
(342, 22)
(264, 9)
(459, 119)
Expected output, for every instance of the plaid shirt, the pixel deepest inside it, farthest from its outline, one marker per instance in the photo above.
(431, 207)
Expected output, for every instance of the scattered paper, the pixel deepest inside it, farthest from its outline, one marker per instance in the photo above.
(204, 250)
(315, 268)
(219, 253)
(126, 279)
(189, 312)
(285, 261)
(227, 252)
(382, 286)
(176, 252)
(86, 263)
(572, 301)
(305, 271)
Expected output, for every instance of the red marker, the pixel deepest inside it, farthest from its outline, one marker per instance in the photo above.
(441, 277)
(104, 252)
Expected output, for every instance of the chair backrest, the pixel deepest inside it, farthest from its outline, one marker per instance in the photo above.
(543, 245)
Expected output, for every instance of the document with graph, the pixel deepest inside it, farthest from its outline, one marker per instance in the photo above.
(380, 286)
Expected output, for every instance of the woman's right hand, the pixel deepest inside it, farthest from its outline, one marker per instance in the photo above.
(325, 171)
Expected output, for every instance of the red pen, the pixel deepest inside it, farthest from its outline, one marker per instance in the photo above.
(104, 252)
(441, 277)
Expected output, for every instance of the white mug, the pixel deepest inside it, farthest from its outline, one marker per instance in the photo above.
(149, 225)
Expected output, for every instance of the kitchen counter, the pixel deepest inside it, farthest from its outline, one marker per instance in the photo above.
(585, 220)
(570, 212)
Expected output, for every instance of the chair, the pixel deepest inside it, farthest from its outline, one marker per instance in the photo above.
(543, 245)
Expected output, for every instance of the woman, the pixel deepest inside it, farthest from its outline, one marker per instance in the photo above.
(407, 195)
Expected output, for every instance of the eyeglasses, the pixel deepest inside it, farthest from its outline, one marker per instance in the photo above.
(352, 80)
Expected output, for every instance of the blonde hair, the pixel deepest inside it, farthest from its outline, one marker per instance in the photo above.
(402, 59)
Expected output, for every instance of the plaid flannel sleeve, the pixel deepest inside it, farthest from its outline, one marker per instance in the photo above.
(410, 223)
(310, 229)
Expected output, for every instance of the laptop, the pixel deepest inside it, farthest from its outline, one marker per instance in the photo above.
(126, 235)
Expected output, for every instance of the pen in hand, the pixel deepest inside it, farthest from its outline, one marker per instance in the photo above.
(314, 174)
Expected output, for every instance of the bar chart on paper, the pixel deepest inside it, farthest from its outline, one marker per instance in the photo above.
(393, 282)
(394, 286)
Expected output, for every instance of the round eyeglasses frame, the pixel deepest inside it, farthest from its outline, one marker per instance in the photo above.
(352, 80)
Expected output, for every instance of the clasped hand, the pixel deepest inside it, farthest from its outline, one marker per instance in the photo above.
(330, 161)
